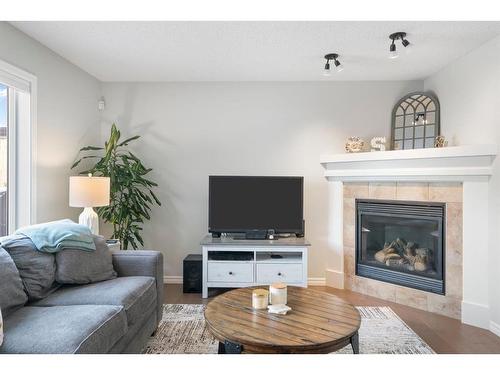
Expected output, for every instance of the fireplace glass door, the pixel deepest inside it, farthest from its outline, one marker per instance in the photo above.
(401, 242)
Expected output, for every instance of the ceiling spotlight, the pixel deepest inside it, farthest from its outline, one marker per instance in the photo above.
(393, 53)
(338, 66)
(326, 71)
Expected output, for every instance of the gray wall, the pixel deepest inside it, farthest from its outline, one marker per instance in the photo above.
(192, 130)
(468, 90)
(67, 116)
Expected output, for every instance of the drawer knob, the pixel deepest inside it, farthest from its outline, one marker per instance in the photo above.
(230, 272)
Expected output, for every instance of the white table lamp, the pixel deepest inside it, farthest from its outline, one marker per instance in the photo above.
(88, 192)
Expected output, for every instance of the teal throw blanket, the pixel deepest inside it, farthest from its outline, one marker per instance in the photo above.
(59, 235)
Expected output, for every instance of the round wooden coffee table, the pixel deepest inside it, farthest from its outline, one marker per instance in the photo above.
(319, 322)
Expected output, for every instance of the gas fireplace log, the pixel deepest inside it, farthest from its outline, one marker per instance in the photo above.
(400, 245)
(386, 251)
(422, 259)
(397, 263)
(402, 254)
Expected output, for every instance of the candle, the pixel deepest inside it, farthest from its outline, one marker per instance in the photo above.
(277, 294)
(260, 297)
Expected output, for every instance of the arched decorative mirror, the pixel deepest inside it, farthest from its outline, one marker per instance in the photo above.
(415, 121)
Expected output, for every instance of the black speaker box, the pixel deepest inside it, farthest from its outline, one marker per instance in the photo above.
(192, 273)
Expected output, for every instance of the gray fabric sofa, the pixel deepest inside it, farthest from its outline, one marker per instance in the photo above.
(112, 316)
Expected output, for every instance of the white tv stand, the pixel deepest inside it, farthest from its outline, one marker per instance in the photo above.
(264, 262)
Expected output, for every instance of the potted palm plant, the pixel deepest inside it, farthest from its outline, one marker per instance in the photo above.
(131, 193)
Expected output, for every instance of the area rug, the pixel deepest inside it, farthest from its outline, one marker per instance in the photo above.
(182, 331)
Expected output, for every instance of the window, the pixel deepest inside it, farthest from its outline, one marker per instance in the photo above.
(17, 110)
(4, 153)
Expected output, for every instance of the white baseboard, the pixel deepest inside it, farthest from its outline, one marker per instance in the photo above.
(314, 281)
(172, 280)
(495, 328)
(476, 314)
(335, 279)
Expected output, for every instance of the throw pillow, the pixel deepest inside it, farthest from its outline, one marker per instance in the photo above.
(12, 295)
(84, 267)
(37, 269)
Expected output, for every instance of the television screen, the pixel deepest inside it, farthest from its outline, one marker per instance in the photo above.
(244, 203)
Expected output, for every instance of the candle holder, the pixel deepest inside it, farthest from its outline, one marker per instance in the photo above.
(260, 298)
(277, 294)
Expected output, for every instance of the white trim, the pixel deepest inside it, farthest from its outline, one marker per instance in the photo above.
(316, 281)
(34, 148)
(476, 314)
(11, 155)
(335, 261)
(423, 153)
(463, 163)
(29, 216)
(495, 328)
(410, 174)
(14, 77)
(172, 280)
(335, 278)
(313, 281)
(475, 250)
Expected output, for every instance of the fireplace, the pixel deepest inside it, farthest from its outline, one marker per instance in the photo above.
(401, 243)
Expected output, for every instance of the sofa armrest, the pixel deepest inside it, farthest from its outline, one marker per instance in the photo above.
(142, 263)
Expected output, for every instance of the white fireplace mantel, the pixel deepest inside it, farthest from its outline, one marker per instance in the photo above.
(459, 163)
(471, 165)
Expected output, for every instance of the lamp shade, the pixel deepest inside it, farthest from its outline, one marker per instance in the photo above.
(85, 191)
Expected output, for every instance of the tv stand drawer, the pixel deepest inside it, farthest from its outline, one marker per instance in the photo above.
(273, 272)
(230, 272)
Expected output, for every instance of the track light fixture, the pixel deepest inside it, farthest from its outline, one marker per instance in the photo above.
(337, 65)
(393, 53)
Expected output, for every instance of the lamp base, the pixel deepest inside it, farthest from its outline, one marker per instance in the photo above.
(89, 218)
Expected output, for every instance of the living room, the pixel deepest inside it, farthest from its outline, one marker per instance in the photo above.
(165, 180)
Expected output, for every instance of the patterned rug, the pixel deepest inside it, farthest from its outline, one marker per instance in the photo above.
(182, 330)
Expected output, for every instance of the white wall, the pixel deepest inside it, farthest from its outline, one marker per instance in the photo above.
(67, 116)
(192, 130)
(468, 90)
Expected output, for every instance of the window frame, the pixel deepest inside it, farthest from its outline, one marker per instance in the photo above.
(21, 191)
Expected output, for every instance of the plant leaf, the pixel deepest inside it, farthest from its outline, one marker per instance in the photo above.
(126, 141)
(91, 148)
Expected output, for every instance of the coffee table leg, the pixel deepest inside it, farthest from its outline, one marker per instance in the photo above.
(228, 347)
(222, 348)
(355, 343)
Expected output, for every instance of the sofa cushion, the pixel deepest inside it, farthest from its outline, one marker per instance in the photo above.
(37, 269)
(134, 293)
(64, 329)
(82, 267)
(12, 294)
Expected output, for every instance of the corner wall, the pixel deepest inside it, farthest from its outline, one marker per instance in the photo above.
(67, 117)
(468, 90)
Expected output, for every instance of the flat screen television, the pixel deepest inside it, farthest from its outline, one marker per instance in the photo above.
(239, 204)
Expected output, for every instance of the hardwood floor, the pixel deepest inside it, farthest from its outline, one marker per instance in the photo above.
(443, 334)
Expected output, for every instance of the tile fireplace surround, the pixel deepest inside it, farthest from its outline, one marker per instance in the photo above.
(447, 192)
(456, 176)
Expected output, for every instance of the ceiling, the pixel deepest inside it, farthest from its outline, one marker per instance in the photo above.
(256, 51)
